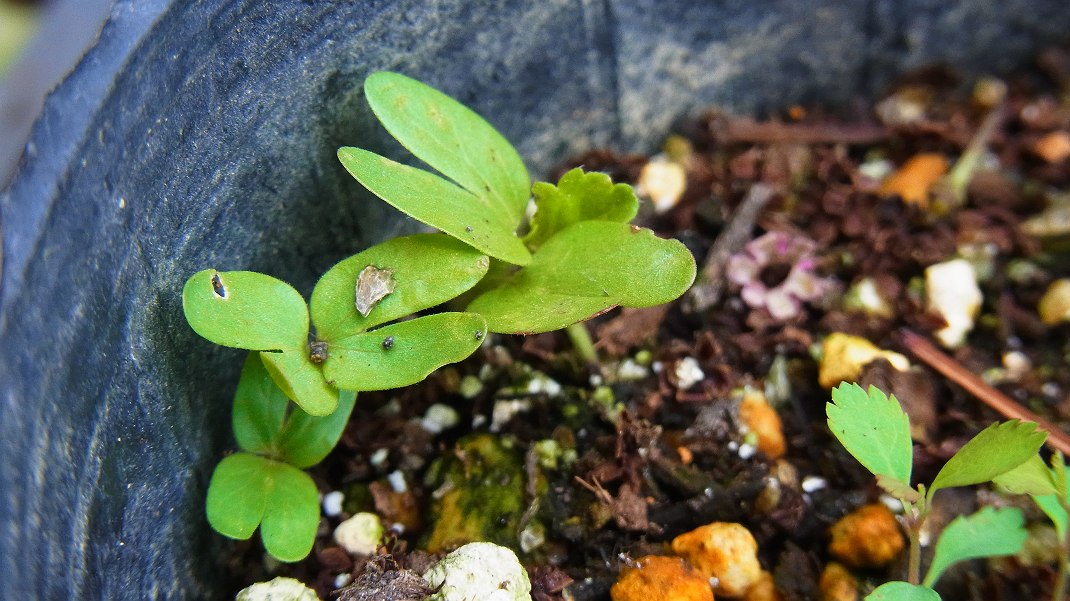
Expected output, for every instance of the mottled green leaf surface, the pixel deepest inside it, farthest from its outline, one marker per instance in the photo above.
(584, 270)
(578, 196)
(990, 532)
(245, 309)
(995, 450)
(874, 430)
(403, 353)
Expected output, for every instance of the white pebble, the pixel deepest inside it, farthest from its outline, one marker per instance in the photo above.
(332, 503)
(663, 182)
(439, 417)
(954, 295)
(746, 451)
(543, 384)
(688, 373)
(630, 370)
(279, 589)
(811, 484)
(483, 571)
(397, 481)
(342, 580)
(506, 410)
(379, 457)
(360, 534)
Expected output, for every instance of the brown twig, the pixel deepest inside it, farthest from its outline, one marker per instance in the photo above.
(954, 371)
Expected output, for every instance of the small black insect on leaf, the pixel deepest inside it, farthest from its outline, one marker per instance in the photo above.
(388, 343)
(479, 334)
(217, 286)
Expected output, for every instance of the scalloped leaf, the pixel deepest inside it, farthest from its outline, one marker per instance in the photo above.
(902, 591)
(259, 408)
(578, 196)
(247, 491)
(403, 353)
(305, 439)
(245, 309)
(584, 270)
(428, 269)
(301, 380)
(873, 428)
(437, 202)
(995, 450)
(990, 532)
(453, 140)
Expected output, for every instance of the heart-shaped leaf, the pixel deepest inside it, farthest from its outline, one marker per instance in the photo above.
(874, 430)
(439, 203)
(427, 269)
(578, 196)
(245, 309)
(902, 591)
(301, 380)
(403, 353)
(305, 439)
(247, 491)
(586, 269)
(259, 408)
(453, 140)
(990, 532)
(997, 449)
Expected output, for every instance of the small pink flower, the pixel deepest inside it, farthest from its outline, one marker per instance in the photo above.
(776, 271)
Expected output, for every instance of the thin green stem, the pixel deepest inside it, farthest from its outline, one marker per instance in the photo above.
(1061, 576)
(581, 341)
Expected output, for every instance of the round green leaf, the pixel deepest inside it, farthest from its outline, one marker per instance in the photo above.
(453, 140)
(403, 353)
(428, 269)
(259, 408)
(306, 439)
(292, 513)
(439, 203)
(874, 429)
(301, 380)
(902, 591)
(237, 495)
(245, 309)
(584, 270)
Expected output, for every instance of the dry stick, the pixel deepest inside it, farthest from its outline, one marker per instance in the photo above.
(707, 291)
(954, 371)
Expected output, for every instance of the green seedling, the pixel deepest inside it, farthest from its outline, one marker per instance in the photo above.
(874, 429)
(264, 485)
(580, 256)
(347, 349)
(1050, 490)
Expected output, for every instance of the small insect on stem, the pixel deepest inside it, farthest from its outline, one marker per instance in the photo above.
(388, 343)
(373, 285)
(217, 286)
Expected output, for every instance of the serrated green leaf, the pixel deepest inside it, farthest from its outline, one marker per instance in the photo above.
(292, 513)
(237, 495)
(439, 203)
(403, 353)
(902, 591)
(990, 532)
(301, 381)
(577, 197)
(428, 269)
(305, 439)
(995, 450)
(585, 270)
(259, 408)
(873, 428)
(1030, 478)
(453, 140)
(245, 309)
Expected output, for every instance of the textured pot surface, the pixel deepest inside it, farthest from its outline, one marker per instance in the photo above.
(203, 134)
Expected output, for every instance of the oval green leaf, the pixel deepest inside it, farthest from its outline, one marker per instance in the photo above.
(237, 495)
(585, 270)
(874, 430)
(305, 439)
(1030, 478)
(292, 513)
(439, 203)
(403, 353)
(453, 140)
(245, 309)
(259, 408)
(578, 196)
(990, 532)
(301, 381)
(902, 591)
(428, 269)
(997, 449)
